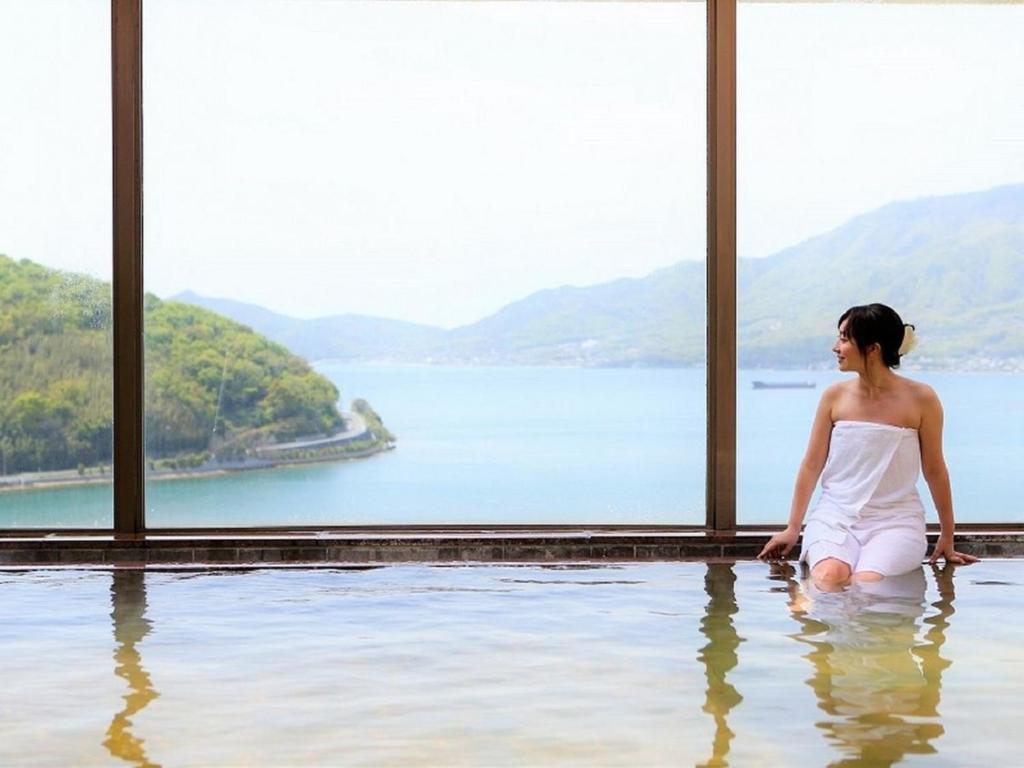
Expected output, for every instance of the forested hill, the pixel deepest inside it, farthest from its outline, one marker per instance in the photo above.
(55, 379)
(953, 265)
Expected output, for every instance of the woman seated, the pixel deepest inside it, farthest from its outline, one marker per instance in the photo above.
(872, 436)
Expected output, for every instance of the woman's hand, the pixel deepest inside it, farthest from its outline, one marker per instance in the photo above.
(944, 548)
(780, 545)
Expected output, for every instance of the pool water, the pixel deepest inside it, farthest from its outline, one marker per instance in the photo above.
(638, 664)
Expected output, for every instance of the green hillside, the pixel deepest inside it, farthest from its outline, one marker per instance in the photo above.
(55, 381)
(952, 265)
(654, 320)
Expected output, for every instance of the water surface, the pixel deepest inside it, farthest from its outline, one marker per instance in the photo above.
(640, 664)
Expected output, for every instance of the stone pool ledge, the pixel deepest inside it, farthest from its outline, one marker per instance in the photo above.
(441, 546)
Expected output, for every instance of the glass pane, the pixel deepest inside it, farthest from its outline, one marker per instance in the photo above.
(894, 174)
(424, 262)
(55, 265)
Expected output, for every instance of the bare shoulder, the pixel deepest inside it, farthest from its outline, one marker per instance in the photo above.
(833, 392)
(925, 399)
(831, 397)
(922, 393)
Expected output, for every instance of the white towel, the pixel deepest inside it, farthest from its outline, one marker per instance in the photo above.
(871, 473)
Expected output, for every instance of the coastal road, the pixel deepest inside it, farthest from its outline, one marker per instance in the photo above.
(355, 425)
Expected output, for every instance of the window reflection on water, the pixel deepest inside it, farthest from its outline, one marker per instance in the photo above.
(874, 654)
(128, 598)
(719, 656)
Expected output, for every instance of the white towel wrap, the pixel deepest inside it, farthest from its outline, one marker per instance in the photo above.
(870, 477)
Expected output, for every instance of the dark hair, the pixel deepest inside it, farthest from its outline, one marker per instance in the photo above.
(869, 324)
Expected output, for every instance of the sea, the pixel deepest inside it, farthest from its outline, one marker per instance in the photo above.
(580, 446)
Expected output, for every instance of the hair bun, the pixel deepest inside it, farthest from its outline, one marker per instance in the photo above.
(909, 339)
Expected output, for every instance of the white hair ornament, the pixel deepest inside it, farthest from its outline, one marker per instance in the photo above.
(909, 339)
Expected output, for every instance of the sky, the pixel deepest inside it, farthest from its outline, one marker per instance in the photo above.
(435, 161)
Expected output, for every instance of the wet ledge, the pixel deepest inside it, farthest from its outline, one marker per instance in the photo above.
(354, 548)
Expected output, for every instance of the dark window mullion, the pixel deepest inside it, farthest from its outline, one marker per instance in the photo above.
(721, 265)
(126, 81)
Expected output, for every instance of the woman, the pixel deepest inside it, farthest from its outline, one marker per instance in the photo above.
(871, 436)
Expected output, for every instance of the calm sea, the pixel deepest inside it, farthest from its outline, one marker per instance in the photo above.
(558, 445)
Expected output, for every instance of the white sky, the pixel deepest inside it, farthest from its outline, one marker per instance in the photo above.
(435, 161)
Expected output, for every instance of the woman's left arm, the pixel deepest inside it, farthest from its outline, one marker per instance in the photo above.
(933, 467)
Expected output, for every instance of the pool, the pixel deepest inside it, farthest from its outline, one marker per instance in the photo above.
(637, 664)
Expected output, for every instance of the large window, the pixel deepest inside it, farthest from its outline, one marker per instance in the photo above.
(424, 263)
(55, 256)
(444, 263)
(894, 172)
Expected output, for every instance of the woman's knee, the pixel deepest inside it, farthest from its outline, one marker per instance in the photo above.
(831, 571)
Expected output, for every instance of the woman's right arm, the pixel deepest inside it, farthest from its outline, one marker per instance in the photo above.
(813, 462)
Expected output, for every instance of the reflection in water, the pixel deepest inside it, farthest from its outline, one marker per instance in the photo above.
(128, 597)
(877, 682)
(719, 655)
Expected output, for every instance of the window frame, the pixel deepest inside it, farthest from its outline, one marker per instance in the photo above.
(129, 456)
(128, 297)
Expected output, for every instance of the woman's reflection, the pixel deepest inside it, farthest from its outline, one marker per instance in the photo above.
(128, 598)
(874, 676)
(719, 655)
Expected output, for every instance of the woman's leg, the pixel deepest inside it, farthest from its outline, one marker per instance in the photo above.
(830, 573)
(831, 564)
(891, 552)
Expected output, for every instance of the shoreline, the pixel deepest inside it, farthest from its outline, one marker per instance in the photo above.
(38, 482)
(969, 366)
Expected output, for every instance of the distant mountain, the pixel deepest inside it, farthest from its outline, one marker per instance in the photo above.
(342, 337)
(653, 320)
(251, 315)
(953, 265)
